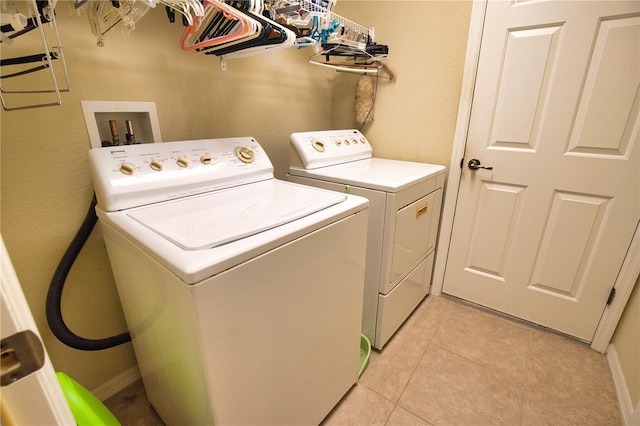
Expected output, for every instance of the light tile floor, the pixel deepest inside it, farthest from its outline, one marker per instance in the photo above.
(455, 364)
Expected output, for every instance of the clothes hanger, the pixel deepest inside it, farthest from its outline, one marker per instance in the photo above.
(353, 60)
(130, 12)
(102, 18)
(285, 39)
(219, 24)
(106, 15)
(261, 29)
(188, 8)
(274, 36)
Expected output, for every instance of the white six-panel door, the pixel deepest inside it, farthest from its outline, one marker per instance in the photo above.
(555, 113)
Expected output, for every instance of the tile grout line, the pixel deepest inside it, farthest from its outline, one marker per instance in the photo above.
(527, 366)
(424, 351)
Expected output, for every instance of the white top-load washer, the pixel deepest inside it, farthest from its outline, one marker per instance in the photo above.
(404, 213)
(242, 293)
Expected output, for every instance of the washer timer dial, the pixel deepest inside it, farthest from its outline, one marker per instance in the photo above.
(182, 162)
(127, 168)
(156, 165)
(318, 145)
(245, 154)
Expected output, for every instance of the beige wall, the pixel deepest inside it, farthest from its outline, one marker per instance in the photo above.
(626, 340)
(45, 180)
(46, 183)
(415, 116)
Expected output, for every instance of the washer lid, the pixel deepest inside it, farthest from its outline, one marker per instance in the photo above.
(374, 173)
(216, 218)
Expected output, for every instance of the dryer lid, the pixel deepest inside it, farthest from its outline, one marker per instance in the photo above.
(374, 173)
(220, 217)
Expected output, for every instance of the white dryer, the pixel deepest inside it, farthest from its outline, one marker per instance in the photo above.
(405, 199)
(242, 293)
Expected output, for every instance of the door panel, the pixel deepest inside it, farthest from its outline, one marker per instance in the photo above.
(568, 242)
(555, 112)
(607, 116)
(492, 236)
(524, 86)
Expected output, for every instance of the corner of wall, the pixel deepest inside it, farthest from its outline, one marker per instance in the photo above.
(622, 390)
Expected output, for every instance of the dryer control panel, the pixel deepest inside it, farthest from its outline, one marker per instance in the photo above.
(310, 150)
(134, 175)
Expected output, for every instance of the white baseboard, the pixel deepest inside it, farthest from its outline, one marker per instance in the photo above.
(115, 385)
(624, 399)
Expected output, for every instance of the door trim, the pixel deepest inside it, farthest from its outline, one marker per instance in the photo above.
(629, 271)
(459, 143)
(627, 277)
(40, 389)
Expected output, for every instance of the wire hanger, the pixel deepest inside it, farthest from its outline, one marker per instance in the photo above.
(354, 60)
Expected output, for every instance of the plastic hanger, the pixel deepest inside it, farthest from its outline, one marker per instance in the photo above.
(286, 39)
(250, 10)
(188, 8)
(106, 15)
(219, 24)
(273, 36)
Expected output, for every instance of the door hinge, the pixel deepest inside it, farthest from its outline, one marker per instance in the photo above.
(20, 354)
(612, 296)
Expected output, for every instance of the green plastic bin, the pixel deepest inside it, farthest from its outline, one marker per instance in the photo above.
(365, 351)
(87, 410)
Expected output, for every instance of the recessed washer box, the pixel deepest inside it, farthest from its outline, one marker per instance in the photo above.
(143, 117)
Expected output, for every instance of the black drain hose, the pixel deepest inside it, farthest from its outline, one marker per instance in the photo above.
(54, 295)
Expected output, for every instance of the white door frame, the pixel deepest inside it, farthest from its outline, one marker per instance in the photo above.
(36, 398)
(630, 270)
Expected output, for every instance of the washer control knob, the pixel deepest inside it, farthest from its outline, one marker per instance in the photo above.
(363, 140)
(127, 168)
(206, 159)
(156, 165)
(318, 145)
(338, 142)
(354, 141)
(182, 162)
(346, 142)
(245, 154)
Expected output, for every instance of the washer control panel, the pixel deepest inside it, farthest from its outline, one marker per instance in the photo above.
(134, 175)
(311, 150)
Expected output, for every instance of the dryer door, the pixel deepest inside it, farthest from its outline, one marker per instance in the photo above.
(415, 235)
